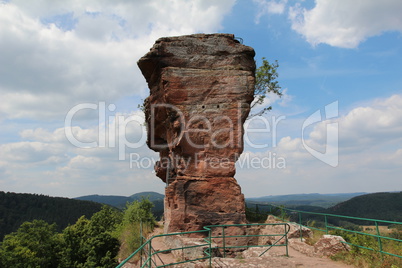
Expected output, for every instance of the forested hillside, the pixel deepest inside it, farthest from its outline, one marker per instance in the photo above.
(382, 206)
(18, 208)
(314, 200)
(99, 241)
(112, 200)
(121, 201)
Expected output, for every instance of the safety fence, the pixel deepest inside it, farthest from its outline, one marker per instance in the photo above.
(331, 223)
(213, 241)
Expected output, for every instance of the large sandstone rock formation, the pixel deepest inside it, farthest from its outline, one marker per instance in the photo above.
(201, 87)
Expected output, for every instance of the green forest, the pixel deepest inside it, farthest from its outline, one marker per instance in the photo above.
(121, 201)
(43, 231)
(380, 206)
(98, 241)
(16, 209)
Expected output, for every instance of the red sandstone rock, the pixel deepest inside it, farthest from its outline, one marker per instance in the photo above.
(329, 245)
(201, 87)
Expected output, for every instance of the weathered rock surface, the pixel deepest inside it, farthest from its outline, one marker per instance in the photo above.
(329, 245)
(295, 231)
(201, 87)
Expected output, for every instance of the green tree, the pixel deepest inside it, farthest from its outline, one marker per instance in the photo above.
(139, 211)
(138, 221)
(34, 244)
(75, 237)
(92, 243)
(265, 83)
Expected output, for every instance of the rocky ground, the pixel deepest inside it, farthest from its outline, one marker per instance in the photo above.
(300, 255)
(276, 258)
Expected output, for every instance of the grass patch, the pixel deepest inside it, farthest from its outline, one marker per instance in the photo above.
(314, 239)
(365, 258)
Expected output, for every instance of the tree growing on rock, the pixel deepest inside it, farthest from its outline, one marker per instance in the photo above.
(265, 83)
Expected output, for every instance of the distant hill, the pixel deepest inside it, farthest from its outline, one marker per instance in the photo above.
(152, 196)
(121, 201)
(381, 206)
(17, 208)
(113, 200)
(313, 200)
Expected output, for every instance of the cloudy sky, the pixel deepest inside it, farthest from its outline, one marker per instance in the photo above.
(70, 89)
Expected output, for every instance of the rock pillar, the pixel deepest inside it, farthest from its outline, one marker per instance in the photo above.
(201, 87)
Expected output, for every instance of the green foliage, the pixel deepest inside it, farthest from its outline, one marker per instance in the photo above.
(92, 243)
(142, 105)
(255, 215)
(382, 206)
(139, 211)
(138, 221)
(362, 257)
(350, 226)
(16, 209)
(120, 202)
(265, 83)
(34, 244)
(305, 202)
(87, 243)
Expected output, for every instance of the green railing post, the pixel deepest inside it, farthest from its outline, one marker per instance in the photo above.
(142, 242)
(286, 239)
(326, 224)
(378, 237)
(210, 248)
(300, 225)
(223, 241)
(150, 254)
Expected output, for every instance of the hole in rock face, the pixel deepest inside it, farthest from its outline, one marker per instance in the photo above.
(203, 106)
(217, 106)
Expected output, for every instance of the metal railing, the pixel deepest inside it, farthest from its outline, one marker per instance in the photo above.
(215, 240)
(327, 218)
(224, 239)
(148, 255)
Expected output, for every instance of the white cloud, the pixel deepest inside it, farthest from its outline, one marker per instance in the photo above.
(267, 7)
(29, 152)
(46, 162)
(45, 65)
(57, 167)
(364, 127)
(370, 147)
(344, 23)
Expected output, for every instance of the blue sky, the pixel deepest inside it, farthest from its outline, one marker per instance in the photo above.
(56, 55)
